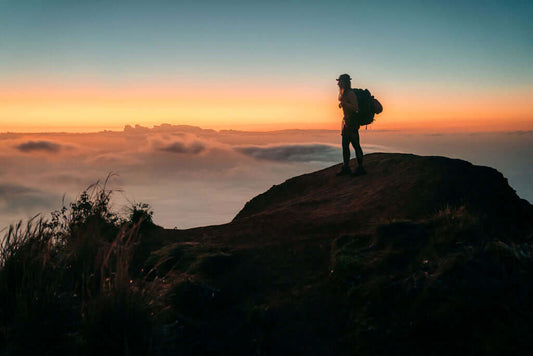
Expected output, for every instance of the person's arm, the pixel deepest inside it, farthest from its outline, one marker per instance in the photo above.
(349, 102)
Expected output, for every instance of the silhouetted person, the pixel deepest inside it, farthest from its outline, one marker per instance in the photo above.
(350, 126)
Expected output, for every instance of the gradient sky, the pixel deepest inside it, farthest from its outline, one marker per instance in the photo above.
(78, 65)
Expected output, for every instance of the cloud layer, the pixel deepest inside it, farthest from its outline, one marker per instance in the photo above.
(195, 177)
(292, 153)
(17, 201)
(190, 176)
(32, 146)
(180, 147)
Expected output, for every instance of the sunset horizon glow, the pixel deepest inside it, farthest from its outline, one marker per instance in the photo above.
(96, 109)
(92, 66)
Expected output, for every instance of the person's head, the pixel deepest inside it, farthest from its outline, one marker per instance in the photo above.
(344, 81)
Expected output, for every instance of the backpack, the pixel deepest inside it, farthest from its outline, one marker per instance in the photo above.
(368, 106)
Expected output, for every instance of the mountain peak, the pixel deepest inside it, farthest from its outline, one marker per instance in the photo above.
(396, 186)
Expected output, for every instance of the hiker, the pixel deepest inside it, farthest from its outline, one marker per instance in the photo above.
(350, 126)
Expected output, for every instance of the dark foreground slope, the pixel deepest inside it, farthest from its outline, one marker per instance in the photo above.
(423, 255)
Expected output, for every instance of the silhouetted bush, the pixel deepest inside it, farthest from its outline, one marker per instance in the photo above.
(65, 283)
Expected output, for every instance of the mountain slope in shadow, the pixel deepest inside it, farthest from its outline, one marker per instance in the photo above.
(423, 255)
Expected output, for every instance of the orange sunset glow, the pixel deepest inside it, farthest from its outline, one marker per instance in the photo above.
(93, 108)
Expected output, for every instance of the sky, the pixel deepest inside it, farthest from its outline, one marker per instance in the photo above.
(93, 87)
(79, 65)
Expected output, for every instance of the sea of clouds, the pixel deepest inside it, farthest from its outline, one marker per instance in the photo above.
(194, 177)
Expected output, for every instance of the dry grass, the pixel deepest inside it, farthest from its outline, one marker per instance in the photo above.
(62, 279)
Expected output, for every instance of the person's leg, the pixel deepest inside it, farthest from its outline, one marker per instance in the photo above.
(358, 153)
(357, 146)
(345, 153)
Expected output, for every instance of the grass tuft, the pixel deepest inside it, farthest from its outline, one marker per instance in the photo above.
(66, 283)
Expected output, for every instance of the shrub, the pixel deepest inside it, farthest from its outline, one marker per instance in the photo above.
(61, 278)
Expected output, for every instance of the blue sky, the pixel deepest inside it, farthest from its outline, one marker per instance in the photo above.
(469, 42)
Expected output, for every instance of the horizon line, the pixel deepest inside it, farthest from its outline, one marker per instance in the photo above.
(163, 125)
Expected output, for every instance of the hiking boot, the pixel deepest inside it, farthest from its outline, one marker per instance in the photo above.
(359, 171)
(344, 171)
